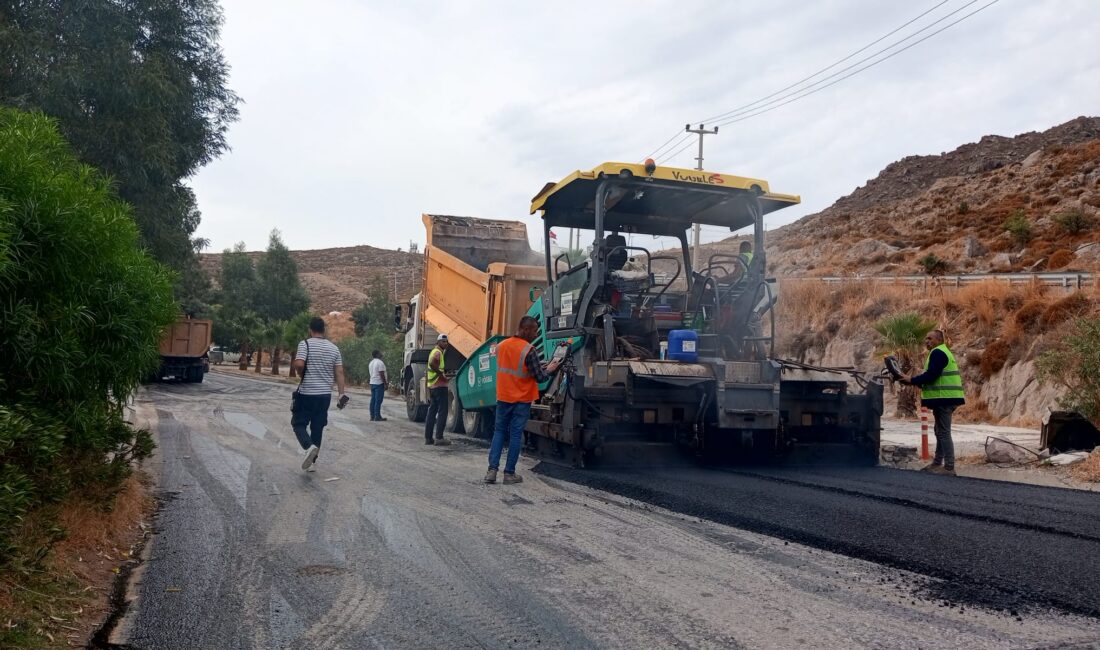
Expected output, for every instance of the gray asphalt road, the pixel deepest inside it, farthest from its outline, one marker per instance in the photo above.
(392, 544)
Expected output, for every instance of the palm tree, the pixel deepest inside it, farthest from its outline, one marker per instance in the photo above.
(903, 336)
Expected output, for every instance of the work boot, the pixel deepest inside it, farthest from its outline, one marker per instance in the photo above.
(949, 471)
(512, 479)
(429, 442)
(931, 467)
(442, 442)
(491, 476)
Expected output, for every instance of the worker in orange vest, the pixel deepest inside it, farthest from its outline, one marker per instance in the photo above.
(519, 373)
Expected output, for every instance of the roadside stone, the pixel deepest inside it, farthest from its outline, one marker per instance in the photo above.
(1003, 261)
(972, 247)
(1088, 252)
(1032, 159)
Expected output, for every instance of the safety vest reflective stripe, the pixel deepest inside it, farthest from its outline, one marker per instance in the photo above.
(433, 375)
(949, 384)
(521, 365)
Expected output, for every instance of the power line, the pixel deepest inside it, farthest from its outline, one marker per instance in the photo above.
(665, 148)
(806, 92)
(761, 106)
(778, 100)
(831, 65)
(678, 134)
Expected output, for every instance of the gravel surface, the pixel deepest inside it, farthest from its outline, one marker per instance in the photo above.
(406, 548)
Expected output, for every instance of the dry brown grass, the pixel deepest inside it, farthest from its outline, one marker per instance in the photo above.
(1075, 305)
(994, 357)
(1060, 259)
(1088, 469)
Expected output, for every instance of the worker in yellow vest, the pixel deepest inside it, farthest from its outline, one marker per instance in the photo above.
(519, 373)
(942, 392)
(438, 392)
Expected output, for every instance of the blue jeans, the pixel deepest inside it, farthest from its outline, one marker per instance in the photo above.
(511, 418)
(377, 392)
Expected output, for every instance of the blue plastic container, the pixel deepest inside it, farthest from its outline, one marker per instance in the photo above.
(683, 345)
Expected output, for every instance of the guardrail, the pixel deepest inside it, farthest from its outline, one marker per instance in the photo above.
(1067, 281)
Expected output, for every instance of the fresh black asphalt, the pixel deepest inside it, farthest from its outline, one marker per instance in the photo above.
(1005, 546)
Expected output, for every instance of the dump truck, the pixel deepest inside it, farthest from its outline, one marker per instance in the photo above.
(183, 350)
(480, 277)
(723, 394)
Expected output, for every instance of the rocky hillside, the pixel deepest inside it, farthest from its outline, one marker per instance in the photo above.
(1031, 202)
(338, 279)
(1028, 203)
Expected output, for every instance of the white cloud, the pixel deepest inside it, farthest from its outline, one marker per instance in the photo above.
(362, 115)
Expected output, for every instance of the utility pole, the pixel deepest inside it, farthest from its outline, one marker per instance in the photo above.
(701, 131)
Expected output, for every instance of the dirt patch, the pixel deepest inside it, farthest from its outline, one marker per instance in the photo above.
(64, 602)
(1088, 470)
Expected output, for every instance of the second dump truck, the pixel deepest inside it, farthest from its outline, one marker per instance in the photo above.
(480, 278)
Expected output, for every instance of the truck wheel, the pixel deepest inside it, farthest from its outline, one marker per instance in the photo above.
(454, 412)
(198, 376)
(416, 411)
(471, 422)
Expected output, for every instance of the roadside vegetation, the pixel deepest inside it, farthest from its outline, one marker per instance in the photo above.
(83, 309)
(260, 306)
(106, 109)
(374, 330)
(993, 329)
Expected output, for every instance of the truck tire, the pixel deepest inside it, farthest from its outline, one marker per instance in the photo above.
(475, 422)
(199, 373)
(454, 412)
(415, 409)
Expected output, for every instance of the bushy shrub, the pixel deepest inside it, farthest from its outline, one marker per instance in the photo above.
(357, 356)
(83, 308)
(1074, 363)
(1072, 222)
(1019, 227)
(933, 265)
(963, 208)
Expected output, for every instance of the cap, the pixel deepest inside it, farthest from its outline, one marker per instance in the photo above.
(441, 337)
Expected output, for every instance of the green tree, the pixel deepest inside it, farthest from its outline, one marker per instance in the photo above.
(1074, 364)
(82, 312)
(295, 330)
(377, 311)
(373, 331)
(903, 336)
(140, 90)
(279, 294)
(235, 317)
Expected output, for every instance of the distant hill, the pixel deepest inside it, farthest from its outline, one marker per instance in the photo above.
(337, 279)
(954, 206)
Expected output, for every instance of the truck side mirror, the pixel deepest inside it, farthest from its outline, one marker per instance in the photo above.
(398, 321)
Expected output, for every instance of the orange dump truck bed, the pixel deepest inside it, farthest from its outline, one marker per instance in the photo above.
(478, 277)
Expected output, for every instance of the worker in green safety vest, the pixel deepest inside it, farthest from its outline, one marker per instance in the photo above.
(438, 393)
(942, 392)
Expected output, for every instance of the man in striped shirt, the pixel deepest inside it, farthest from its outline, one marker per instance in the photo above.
(318, 362)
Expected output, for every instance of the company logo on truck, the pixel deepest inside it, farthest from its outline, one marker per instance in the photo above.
(708, 179)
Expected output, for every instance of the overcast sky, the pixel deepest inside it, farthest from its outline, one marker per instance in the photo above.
(359, 116)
